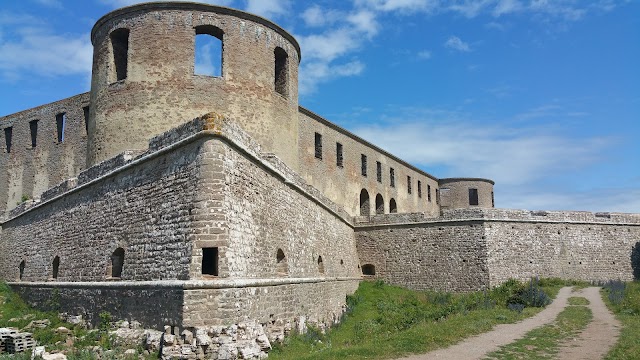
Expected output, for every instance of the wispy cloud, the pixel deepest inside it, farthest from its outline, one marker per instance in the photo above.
(455, 43)
(509, 155)
(269, 8)
(33, 49)
(424, 55)
(50, 3)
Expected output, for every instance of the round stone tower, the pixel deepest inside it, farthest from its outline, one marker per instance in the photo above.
(460, 193)
(145, 80)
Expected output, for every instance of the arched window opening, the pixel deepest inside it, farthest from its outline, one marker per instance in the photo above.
(368, 269)
(208, 51)
(320, 265)
(379, 204)
(364, 203)
(393, 207)
(21, 267)
(117, 262)
(120, 50)
(281, 79)
(56, 266)
(281, 263)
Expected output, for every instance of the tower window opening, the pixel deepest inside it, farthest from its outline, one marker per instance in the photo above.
(85, 111)
(379, 171)
(61, 123)
(409, 184)
(318, 146)
(363, 164)
(210, 261)
(281, 80)
(392, 177)
(33, 126)
(21, 270)
(437, 196)
(428, 193)
(120, 49)
(208, 51)
(379, 204)
(339, 156)
(473, 196)
(281, 263)
(8, 138)
(56, 267)
(320, 265)
(493, 201)
(117, 263)
(419, 189)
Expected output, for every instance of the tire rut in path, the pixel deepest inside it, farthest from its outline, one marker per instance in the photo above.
(478, 346)
(598, 337)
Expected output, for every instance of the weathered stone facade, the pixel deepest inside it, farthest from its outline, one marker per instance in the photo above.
(259, 213)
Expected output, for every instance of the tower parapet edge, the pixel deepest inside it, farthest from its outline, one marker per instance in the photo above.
(144, 76)
(462, 193)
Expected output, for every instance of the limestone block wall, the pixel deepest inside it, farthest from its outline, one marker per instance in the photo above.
(446, 256)
(28, 171)
(143, 208)
(343, 184)
(568, 245)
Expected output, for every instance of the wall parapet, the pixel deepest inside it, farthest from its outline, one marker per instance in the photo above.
(542, 216)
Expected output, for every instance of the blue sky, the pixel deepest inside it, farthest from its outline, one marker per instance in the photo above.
(542, 96)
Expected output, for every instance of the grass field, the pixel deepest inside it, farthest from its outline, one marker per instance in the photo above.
(624, 300)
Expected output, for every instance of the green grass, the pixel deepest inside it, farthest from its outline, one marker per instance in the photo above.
(627, 310)
(544, 342)
(578, 300)
(387, 321)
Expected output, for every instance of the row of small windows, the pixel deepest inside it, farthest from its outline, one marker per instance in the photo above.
(210, 259)
(61, 127)
(208, 56)
(114, 269)
(363, 167)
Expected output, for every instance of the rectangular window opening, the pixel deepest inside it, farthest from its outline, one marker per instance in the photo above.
(339, 156)
(33, 126)
(379, 171)
(120, 48)
(392, 177)
(210, 261)
(8, 138)
(85, 111)
(419, 189)
(208, 51)
(281, 71)
(473, 196)
(318, 146)
(437, 196)
(409, 184)
(61, 123)
(428, 193)
(493, 201)
(363, 159)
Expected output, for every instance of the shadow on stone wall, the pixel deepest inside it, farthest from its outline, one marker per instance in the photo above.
(635, 260)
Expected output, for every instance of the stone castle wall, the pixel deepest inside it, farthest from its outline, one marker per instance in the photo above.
(201, 185)
(343, 184)
(470, 249)
(28, 171)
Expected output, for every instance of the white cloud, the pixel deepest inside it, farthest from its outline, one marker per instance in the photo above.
(364, 21)
(50, 3)
(314, 16)
(121, 3)
(400, 5)
(424, 55)
(316, 72)
(455, 43)
(36, 50)
(268, 8)
(509, 155)
(504, 7)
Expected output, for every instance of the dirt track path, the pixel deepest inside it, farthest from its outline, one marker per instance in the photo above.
(598, 337)
(478, 346)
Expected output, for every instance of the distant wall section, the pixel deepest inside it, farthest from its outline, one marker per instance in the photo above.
(27, 170)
